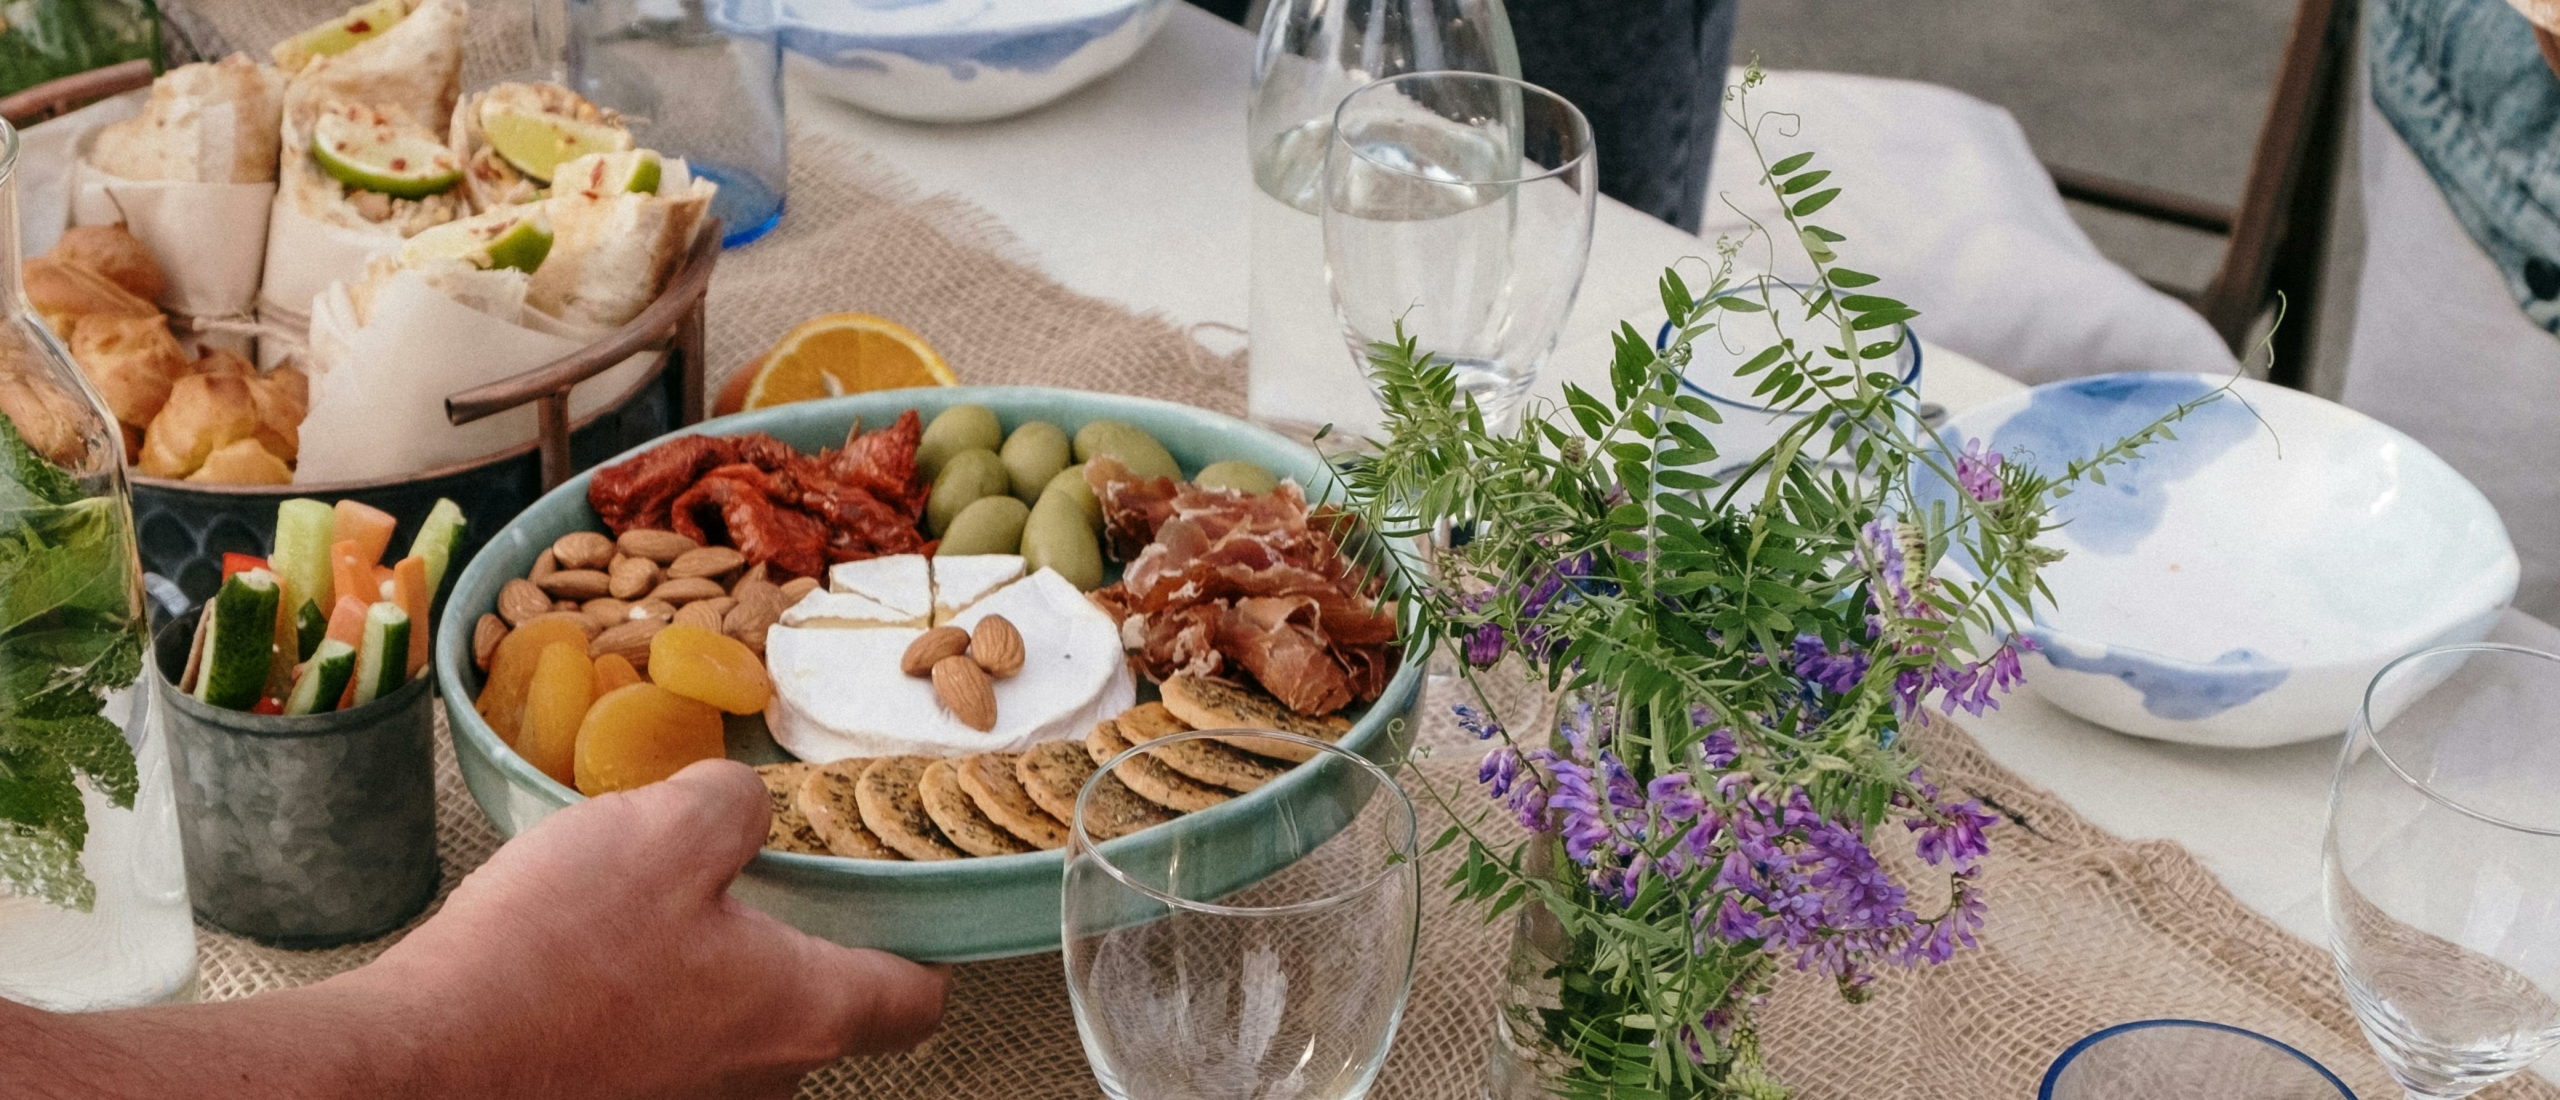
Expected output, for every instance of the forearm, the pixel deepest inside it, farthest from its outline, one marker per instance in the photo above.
(344, 1039)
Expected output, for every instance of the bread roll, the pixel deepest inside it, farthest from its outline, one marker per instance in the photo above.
(243, 462)
(131, 360)
(64, 292)
(113, 251)
(283, 398)
(210, 122)
(205, 412)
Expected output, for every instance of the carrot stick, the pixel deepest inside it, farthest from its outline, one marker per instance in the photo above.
(346, 621)
(409, 581)
(365, 525)
(350, 572)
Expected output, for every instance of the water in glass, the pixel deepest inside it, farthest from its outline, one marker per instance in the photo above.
(1193, 980)
(1459, 205)
(2443, 866)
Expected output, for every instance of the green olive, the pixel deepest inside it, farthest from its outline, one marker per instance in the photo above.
(989, 525)
(965, 477)
(1237, 474)
(1131, 445)
(1071, 482)
(1034, 454)
(959, 428)
(1056, 537)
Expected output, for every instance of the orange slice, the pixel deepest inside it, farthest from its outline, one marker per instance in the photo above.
(835, 354)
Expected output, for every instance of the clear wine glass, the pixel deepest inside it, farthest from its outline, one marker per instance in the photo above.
(1459, 204)
(1194, 978)
(2443, 866)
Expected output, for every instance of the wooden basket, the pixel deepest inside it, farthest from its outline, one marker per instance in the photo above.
(185, 527)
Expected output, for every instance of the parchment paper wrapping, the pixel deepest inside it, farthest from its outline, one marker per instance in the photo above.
(304, 257)
(394, 373)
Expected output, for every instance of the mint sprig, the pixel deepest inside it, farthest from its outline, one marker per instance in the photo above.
(68, 636)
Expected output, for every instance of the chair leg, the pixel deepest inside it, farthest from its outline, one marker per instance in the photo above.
(692, 396)
(2309, 217)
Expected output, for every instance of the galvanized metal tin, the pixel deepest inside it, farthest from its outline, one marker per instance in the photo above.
(308, 831)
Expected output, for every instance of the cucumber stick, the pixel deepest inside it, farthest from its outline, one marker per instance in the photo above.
(311, 627)
(324, 678)
(439, 539)
(382, 662)
(302, 552)
(240, 645)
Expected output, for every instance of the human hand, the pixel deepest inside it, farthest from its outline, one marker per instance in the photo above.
(600, 955)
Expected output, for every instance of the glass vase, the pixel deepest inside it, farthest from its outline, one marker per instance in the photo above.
(1309, 55)
(93, 896)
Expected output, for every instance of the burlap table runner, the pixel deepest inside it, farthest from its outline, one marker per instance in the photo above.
(2085, 930)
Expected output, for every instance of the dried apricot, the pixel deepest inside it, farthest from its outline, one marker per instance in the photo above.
(511, 668)
(562, 689)
(709, 666)
(641, 734)
(613, 671)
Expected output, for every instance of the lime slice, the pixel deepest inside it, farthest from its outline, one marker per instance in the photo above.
(538, 144)
(339, 35)
(511, 236)
(637, 172)
(376, 155)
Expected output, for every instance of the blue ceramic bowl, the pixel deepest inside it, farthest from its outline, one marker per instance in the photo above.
(961, 60)
(2239, 585)
(959, 910)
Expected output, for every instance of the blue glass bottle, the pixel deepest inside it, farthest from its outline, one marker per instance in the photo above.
(698, 79)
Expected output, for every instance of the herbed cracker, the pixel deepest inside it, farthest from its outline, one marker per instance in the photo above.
(958, 817)
(1149, 777)
(1208, 760)
(826, 799)
(988, 779)
(788, 830)
(1052, 773)
(1216, 704)
(894, 812)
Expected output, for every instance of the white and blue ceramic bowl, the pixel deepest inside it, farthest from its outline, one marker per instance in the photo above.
(2239, 585)
(961, 60)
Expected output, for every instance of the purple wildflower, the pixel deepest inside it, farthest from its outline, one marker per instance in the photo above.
(1477, 724)
(1978, 471)
(1957, 840)
(1673, 799)
(1485, 644)
(1501, 769)
(1837, 673)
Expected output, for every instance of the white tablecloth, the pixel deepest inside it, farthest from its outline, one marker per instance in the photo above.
(1136, 189)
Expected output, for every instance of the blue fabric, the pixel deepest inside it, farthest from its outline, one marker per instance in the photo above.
(2466, 87)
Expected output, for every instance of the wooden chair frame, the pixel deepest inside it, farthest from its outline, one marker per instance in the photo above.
(2280, 229)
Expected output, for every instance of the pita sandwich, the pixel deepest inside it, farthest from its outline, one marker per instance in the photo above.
(210, 122)
(489, 180)
(612, 251)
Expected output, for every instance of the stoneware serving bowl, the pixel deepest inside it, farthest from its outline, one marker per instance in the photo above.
(2239, 585)
(961, 60)
(962, 909)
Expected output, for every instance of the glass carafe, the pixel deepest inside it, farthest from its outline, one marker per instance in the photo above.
(1310, 54)
(93, 896)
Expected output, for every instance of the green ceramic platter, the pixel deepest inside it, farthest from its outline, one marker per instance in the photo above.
(964, 909)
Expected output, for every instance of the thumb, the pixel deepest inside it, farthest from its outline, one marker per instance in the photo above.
(716, 814)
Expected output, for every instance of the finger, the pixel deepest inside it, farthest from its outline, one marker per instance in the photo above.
(880, 1002)
(717, 813)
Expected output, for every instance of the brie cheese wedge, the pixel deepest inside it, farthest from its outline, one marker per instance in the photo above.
(821, 609)
(903, 582)
(838, 693)
(961, 580)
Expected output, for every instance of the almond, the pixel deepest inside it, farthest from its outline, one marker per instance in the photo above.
(799, 586)
(759, 607)
(568, 607)
(544, 564)
(631, 640)
(576, 584)
(706, 561)
(660, 610)
(606, 612)
(699, 614)
(522, 600)
(931, 647)
(965, 691)
(996, 646)
(632, 578)
(685, 590)
(719, 606)
(583, 550)
(485, 638)
(657, 546)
